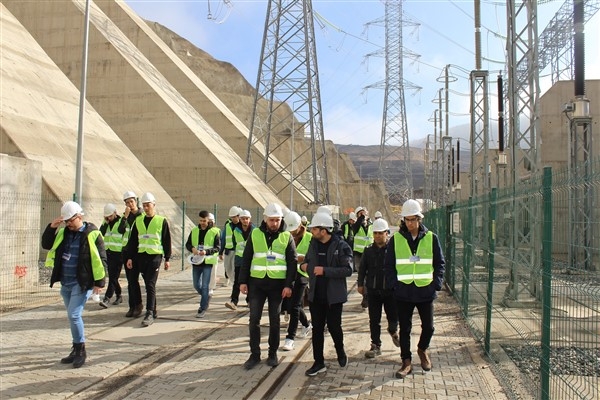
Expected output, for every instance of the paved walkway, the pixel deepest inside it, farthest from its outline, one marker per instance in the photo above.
(181, 357)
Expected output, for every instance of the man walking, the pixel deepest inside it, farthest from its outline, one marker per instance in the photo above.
(267, 273)
(113, 241)
(328, 263)
(132, 211)
(414, 267)
(372, 278)
(241, 234)
(150, 240)
(227, 254)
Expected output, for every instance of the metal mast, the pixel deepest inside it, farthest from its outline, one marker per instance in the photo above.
(288, 78)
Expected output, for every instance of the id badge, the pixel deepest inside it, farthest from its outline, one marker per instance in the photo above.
(200, 247)
(66, 256)
(415, 258)
(271, 257)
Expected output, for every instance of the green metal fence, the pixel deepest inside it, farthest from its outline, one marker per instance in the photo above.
(533, 304)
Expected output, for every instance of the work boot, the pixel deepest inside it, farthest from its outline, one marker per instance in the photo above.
(272, 361)
(80, 355)
(373, 352)
(425, 361)
(130, 313)
(138, 310)
(395, 338)
(405, 370)
(69, 359)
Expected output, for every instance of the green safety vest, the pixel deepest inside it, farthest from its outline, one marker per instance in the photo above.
(150, 240)
(113, 240)
(363, 239)
(240, 242)
(97, 266)
(228, 235)
(418, 271)
(209, 241)
(302, 248)
(267, 261)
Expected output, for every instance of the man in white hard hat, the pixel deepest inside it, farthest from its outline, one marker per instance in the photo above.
(113, 241)
(363, 237)
(414, 267)
(78, 261)
(378, 215)
(227, 254)
(149, 242)
(132, 211)
(203, 241)
(347, 231)
(372, 278)
(268, 270)
(328, 263)
(241, 234)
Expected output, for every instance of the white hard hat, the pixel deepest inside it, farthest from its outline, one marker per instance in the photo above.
(411, 207)
(358, 209)
(273, 210)
(195, 259)
(352, 215)
(323, 220)
(69, 210)
(234, 211)
(211, 217)
(245, 213)
(109, 209)
(304, 219)
(380, 225)
(378, 214)
(148, 198)
(324, 209)
(128, 195)
(292, 221)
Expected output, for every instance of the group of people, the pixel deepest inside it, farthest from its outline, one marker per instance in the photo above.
(279, 259)
(80, 255)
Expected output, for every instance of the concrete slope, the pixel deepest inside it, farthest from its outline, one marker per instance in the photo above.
(40, 108)
(175, 143)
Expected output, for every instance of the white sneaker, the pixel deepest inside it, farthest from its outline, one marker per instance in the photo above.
(211, 292)
(288, 345)
(305, 331)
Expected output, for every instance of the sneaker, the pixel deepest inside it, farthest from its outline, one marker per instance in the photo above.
(201, 314)
(405, 370)
(288, 345)
(272, 361)
(425, 361)
(316, 369)
(395, 338)
(104, 303)
(211, 292)
(373, 352)
(365, 302)
(117, 301)
(251, 362)
(305, 331)
(148, 320)
(343, 360)
(231, 305)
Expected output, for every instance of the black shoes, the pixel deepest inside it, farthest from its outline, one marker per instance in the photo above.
(148, 319)
(104, 303)
(252, 362)
(272, 361)
(343, 360)
(117, 301)
(76, 357)
(69, 359)
(137, 311)
(316, 369)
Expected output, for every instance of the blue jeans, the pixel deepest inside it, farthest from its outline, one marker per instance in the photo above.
(201, 280)
(74, 298)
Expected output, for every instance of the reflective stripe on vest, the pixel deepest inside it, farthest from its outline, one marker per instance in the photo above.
(209, 242)
(407, 271)
(228, 236)
(267, 261)
(97, 266)
(150, 240)
(302, 248)
(113, 240)
(363, 239)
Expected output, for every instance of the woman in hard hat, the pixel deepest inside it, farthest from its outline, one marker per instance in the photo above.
(78, 261)
(414, 268)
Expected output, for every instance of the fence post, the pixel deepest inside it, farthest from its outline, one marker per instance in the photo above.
(546, 282)
(469, 249)
(183, 240)
(491, 254)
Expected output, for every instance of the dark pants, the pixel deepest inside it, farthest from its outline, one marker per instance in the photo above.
(379, 299)
(133, 285)
(115, 264)
(259, 291)
(322, 313)
(296, 307)
(235, 289)
(149, 266)
(405, 313)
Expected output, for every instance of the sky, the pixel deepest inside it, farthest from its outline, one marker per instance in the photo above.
(346, 32)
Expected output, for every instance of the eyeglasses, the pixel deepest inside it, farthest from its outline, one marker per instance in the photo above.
(415, 219)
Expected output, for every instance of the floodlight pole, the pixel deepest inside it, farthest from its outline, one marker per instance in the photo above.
(84, 60)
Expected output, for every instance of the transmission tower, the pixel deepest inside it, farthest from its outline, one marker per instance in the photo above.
(287, 106)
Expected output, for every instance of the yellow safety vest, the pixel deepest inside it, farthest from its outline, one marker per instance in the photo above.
(150, 240)
(417, 268)
(113, 240)
(240, 242)
(363, 239)
(228, 235)
(302, 248)
(267, 261)
(209, 241)
(97, 266)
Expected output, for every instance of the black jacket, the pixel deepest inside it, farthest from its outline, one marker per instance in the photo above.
(370, 271)
(411, 292)
(85, 276)
(338, 268)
